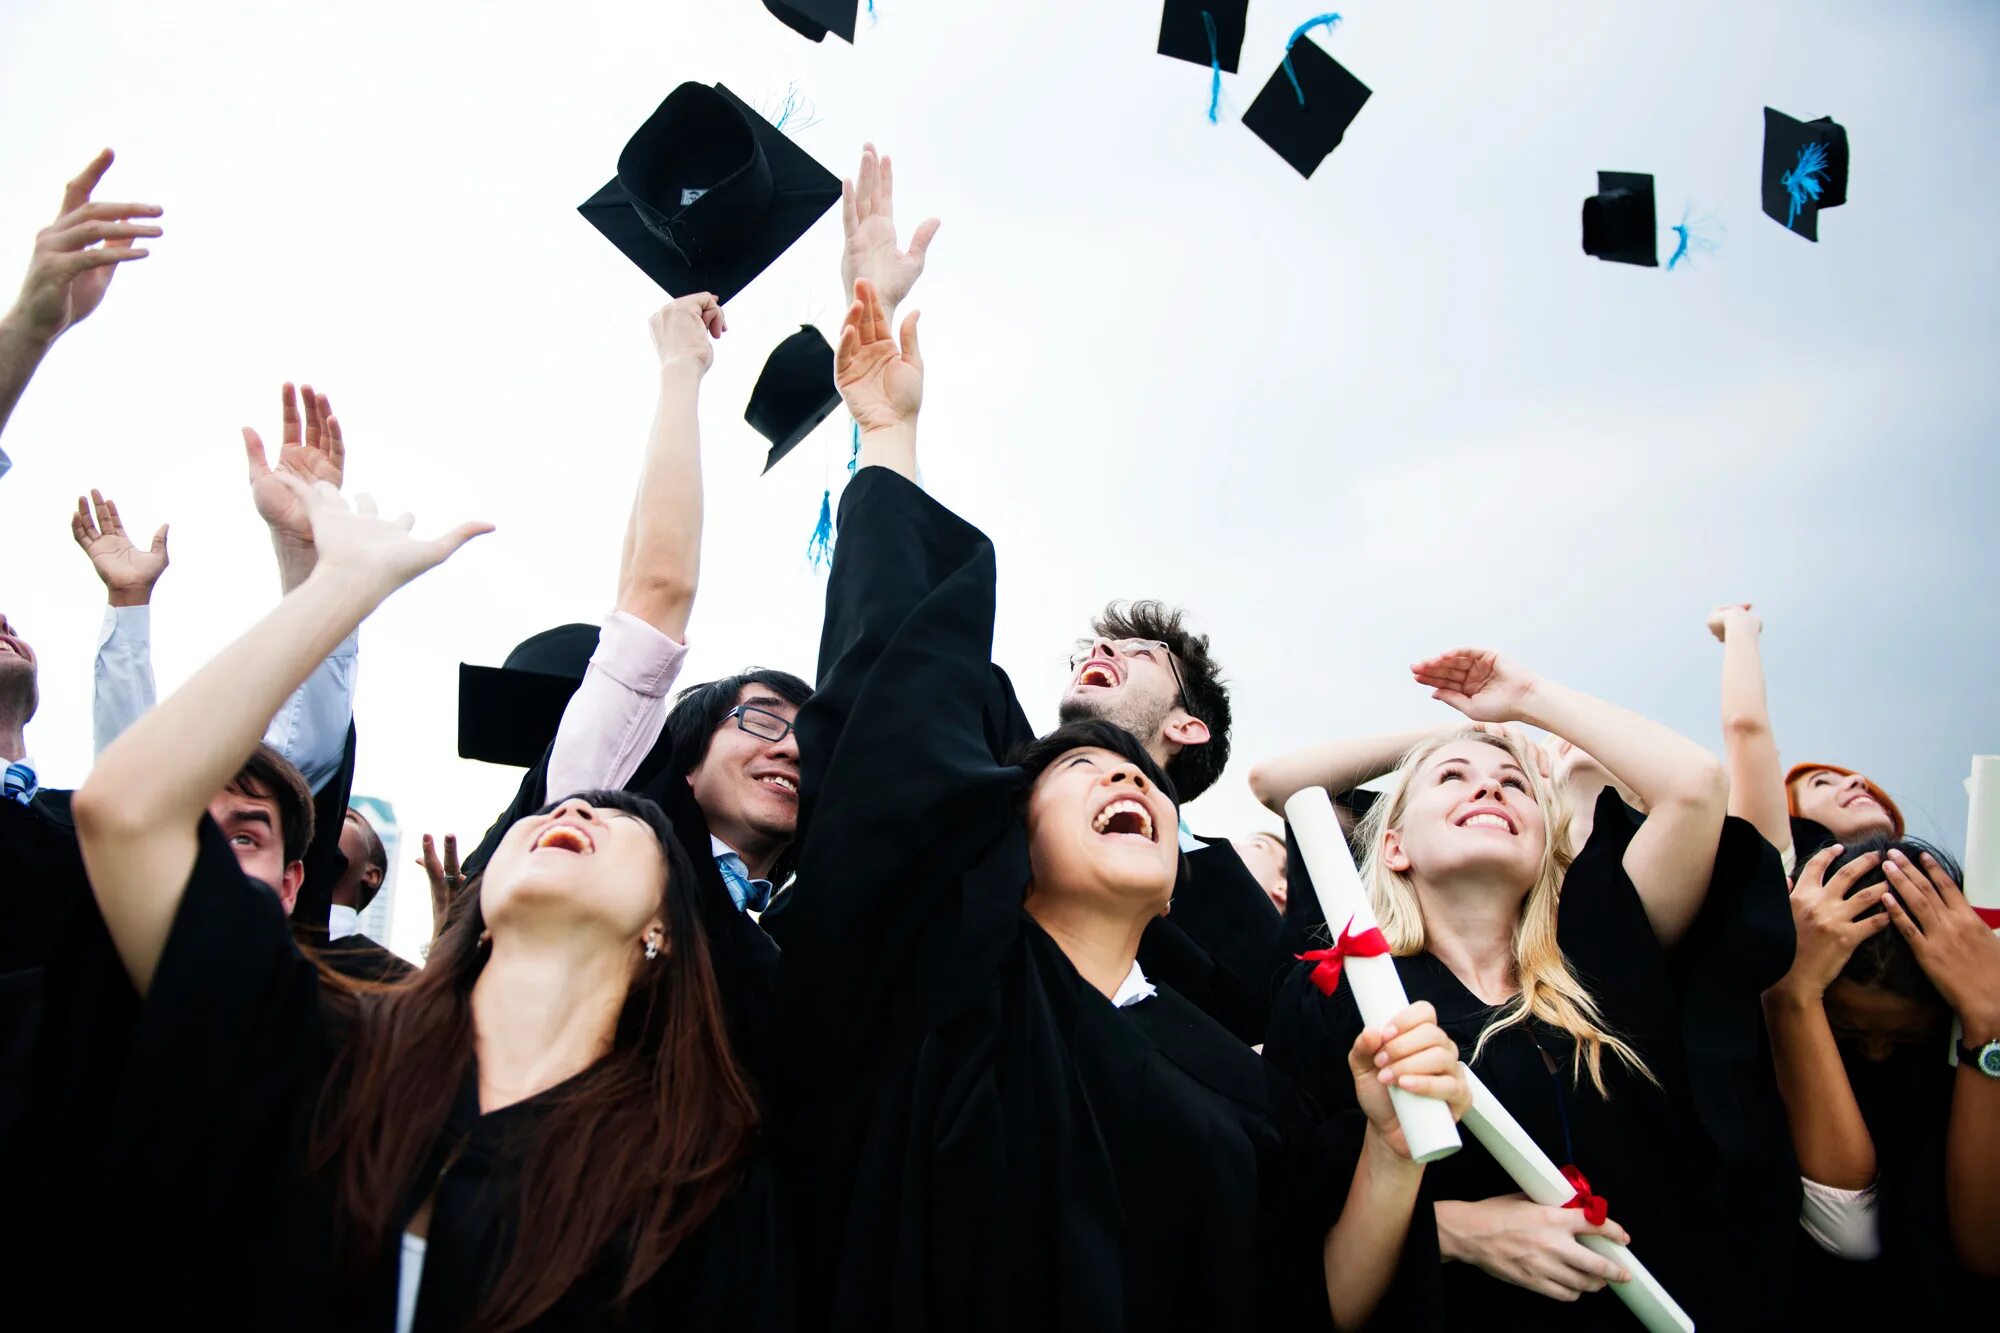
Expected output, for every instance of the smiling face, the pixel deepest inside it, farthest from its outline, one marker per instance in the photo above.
(1132, 685)
(748, 785)
(1099, 830)
(584, 867)
(20, 693)
(1840, 803)
(1471, 809)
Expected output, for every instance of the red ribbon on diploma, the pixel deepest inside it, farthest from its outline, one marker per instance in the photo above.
(1990, 915)
(1368, 944)
(1593, 1205)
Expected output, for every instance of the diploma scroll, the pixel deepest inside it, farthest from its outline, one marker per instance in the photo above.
(1982, 832)
(1541, 1180)
(1378, 991)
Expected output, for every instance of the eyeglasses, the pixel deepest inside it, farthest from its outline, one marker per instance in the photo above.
(1152, 650)
(762, 723)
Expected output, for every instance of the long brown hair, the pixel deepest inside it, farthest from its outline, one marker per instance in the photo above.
(637, 1151)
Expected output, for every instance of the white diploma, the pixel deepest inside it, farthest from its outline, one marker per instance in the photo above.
(1982, 832)
(1543, 1181)
(1378, 991)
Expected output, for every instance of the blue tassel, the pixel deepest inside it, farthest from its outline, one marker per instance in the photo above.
(1320, 21)
(1214, 65)
(854, 451)
(795, 112)
(1802, 182)
(1703, 236)
(871, 11)
(819, 551)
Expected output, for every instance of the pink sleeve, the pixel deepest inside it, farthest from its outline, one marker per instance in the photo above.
(618, 712)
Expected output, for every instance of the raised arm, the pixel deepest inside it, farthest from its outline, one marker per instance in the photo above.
(868, 219)
(1339, 766)
(1749, 750)
(1672, 857)
(75, 258)
(122, 682)
(138, 812)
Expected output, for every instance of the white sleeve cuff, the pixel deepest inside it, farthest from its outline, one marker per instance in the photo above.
(1841, 1222)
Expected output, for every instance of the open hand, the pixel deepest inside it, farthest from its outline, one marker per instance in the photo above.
(685, 329)
(77, 255)
(1958, 951)
(444, 876)
(1733, 615)
(1413, 1053)
(1478, 682)
(1529, 1244)
(313, 454)
(1828, 922)
(129, 572)
(867, 218)
(355, 542)
(882, 384)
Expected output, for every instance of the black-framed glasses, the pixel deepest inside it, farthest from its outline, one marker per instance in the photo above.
(1146, 648)
(762, 723)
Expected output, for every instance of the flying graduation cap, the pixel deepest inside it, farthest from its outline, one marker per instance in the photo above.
(1805, 170)
(709, 193)
(1304, 111)
(1618, 221)
(814, 19)
(794, 392)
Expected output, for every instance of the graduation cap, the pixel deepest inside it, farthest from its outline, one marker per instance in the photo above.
(814, 19)
(1805, 170)
(794, 392)
(509, 714)
(708, 193)
(1204, 32)
(1304, 111)
(1618, 221)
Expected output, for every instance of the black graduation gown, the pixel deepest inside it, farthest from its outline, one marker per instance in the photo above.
(983, 1141)
(1916, 1282)
(364, 959)
(203, 1189)
(1697, 1193)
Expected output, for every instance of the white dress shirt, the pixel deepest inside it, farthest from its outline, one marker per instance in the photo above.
(1134, 988)
(618, 712)
(310, 729)
(1841, 1222)
(342, 921)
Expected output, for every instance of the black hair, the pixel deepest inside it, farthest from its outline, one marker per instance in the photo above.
(1884, 961)
(1034, 757)
(699, 709)
(378, 856)
(269, 775)
(1205, 696)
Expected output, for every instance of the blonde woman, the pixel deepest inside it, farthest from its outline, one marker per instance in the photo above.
(1562, 969)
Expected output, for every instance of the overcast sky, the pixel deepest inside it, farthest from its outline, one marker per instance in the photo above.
(1348, 421)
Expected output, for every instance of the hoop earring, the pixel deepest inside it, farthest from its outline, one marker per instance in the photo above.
(652, 950)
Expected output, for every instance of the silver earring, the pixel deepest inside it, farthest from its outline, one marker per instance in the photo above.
(652, 950)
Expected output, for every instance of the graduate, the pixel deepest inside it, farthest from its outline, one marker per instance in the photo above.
(546, 1129)
(1592, 988)
(1001, 1122)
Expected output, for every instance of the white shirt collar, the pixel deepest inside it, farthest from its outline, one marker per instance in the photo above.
(1190, 843)
(342, 921)
(1134, 988)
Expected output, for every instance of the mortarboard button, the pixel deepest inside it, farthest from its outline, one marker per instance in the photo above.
(1805, 170)
(1184, 34)
(708, 193)
(1618, 221)
(794, 392)
(1304, 111)
(814, 19)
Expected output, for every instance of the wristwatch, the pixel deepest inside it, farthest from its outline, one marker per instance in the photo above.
(1985, 1059)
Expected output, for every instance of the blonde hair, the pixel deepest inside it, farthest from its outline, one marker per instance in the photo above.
(1547, 988)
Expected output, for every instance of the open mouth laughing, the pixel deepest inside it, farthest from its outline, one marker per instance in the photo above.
(1098, 673)
(565, 838)
(1125, 818)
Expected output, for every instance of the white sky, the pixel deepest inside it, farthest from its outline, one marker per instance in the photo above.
(1348, 421)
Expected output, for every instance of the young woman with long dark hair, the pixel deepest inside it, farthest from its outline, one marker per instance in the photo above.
(546, 1128)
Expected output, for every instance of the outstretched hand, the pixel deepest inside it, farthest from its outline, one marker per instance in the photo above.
(881, 383)
(1732, 615)
(313, 454)
(77, 255)
(129, 572)
(445, 878)
(867, 218)
(1478, 682)
(355, 542)
(685, 329)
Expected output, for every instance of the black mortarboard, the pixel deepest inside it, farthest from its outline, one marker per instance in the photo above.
(709, 193)
(814, 19)
(1305, 109)
(1184, 36)
(1618, 221)
(509, 714)
(1805, 170)
(794, 392)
